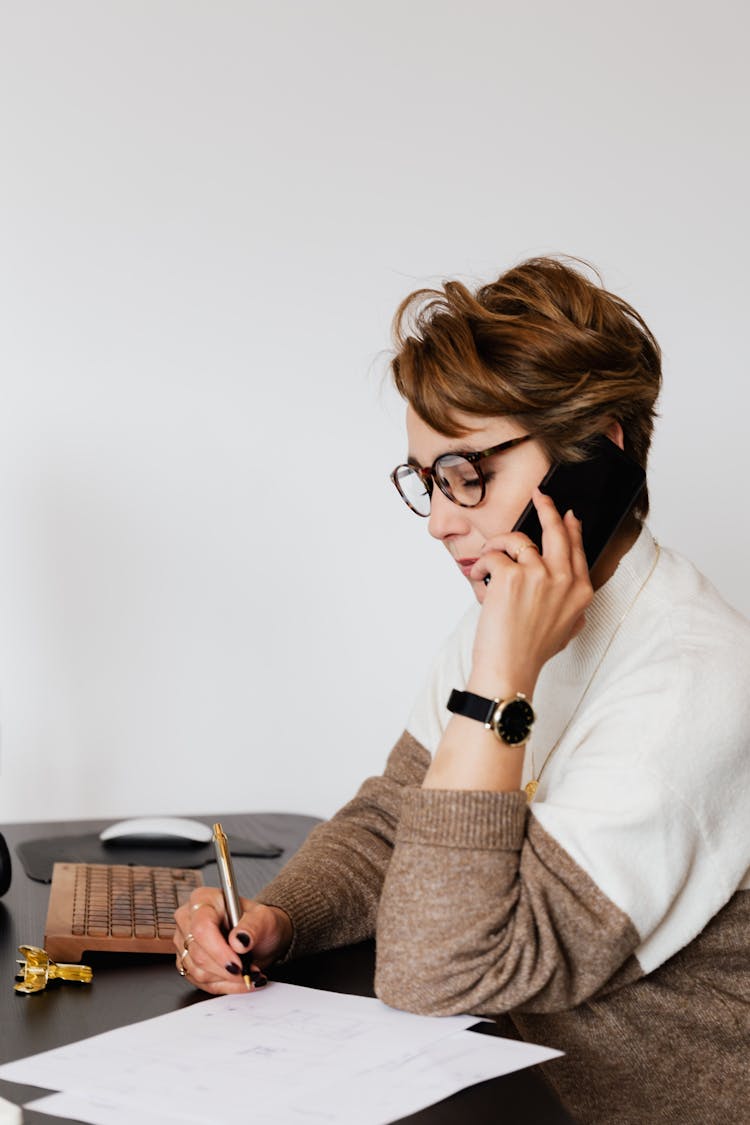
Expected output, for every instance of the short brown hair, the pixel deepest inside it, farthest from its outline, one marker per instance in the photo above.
(543, 343)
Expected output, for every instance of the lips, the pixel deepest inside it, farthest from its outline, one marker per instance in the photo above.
(465, 566)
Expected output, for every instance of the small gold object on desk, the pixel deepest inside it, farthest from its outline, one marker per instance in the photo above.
(39, 968)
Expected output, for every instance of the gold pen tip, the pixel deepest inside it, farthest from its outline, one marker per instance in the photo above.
(248, 982)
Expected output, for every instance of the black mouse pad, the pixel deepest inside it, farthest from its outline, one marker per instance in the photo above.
(38, 856)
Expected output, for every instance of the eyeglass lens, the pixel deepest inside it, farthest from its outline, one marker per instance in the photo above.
(454, 475)
(413, 489)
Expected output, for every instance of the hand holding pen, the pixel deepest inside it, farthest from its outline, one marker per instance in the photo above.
(223, 941)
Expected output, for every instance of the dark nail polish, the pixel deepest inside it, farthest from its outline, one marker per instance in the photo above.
(243, 938)
(232, 968)
(258, 979)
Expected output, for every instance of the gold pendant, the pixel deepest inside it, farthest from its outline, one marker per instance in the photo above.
(531, 788)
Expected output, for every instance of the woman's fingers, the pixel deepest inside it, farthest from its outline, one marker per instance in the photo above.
(577, 553)
(504, 552)
(211, 981)
(494, 559)
(208, 899)
(202, 950)
(562, 542)
(556, 550)
(562, 547)
(534, 603)
(556, 545)
(264, 930)
(217, 963)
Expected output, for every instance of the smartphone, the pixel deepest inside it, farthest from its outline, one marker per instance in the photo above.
(601, 491)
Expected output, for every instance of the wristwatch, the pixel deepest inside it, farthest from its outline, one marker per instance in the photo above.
(510, 719)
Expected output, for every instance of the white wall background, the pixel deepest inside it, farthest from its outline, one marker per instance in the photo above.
(209, 598)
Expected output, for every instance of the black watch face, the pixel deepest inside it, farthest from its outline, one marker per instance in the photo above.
(515, 721)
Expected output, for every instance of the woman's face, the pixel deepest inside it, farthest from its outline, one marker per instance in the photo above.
(510, 478)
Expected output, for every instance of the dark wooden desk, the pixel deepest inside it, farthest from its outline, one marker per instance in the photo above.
(125, 991)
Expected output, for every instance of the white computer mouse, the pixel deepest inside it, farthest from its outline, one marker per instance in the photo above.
(164, 830)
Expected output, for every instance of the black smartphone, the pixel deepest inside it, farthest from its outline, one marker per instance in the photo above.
(601, 491)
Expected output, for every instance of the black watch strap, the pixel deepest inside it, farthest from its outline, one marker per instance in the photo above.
(509, 719)
(472, 706)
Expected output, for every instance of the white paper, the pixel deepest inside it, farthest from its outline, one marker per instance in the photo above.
(99, 1111)
(295, 1056)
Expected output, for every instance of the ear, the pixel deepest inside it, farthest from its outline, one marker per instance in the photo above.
(615, 434)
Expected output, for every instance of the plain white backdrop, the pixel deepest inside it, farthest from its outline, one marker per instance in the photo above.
(210, 597)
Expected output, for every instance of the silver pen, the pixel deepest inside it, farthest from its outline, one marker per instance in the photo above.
(229, 890)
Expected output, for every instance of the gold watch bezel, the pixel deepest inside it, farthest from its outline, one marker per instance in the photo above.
(497, 714)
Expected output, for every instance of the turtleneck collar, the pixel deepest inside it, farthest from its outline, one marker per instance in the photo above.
(610, 604)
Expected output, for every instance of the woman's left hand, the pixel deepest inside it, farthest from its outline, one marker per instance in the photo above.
(531, 607)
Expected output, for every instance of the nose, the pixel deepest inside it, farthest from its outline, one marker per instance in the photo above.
(446, 518)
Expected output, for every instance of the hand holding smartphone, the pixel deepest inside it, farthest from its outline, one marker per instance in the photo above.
(601, 491)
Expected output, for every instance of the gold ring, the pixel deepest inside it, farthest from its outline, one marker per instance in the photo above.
(180, 966)
(186, 944)
(525, 548)
(198, 905)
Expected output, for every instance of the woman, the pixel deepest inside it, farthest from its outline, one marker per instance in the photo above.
(605, 910)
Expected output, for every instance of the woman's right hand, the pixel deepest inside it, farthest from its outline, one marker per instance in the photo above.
(212, 961)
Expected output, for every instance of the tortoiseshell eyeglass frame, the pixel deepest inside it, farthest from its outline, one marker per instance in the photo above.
(430, 476)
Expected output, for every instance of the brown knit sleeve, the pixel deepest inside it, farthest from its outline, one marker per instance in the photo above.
(330, 889)
(482, 911)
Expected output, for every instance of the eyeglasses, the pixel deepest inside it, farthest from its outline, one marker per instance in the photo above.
(457, 475)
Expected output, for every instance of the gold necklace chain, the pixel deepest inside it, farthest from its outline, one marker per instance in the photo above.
(532, 786)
